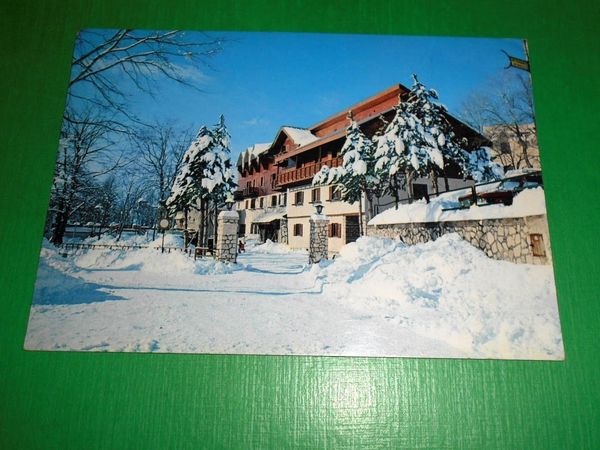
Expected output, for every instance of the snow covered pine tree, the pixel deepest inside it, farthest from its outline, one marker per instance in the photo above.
(219, 179)
(420, 142)
(205, 175)
(188, 190)
(355, 177)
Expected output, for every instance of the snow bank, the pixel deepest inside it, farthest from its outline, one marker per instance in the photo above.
(148, 260)
(271, 247)
(58, 284)
(128, 238)
(529, 202)
(379, 297)
(449, 291)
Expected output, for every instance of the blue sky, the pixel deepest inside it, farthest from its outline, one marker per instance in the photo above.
(262, 81)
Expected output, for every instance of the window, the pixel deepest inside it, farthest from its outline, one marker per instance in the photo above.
(247, 203)
(297, 229)
(315, 195)
(274, 200)
(253, 203)
(299, 198)
(261, 202)
(420, 191)
(262, 180)
(334, 193)
(537, 244)
(505, 147)
(283, 200)
(335, 230)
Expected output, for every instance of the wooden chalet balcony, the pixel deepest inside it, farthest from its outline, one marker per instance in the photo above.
(247, 192)
(304, 173)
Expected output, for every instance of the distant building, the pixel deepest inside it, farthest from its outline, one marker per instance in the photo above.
(508, 147)
(276, 196)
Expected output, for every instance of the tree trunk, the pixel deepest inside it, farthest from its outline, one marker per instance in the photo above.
(524, 146)
(409, 187)
(201, 225)
(216, 218)
(59, 228)
(434, 182)
(360, 216)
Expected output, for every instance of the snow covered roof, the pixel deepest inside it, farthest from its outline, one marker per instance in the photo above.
(300, 136)
(252, 152)
(517, 172)
(530, 202)
(269, 217)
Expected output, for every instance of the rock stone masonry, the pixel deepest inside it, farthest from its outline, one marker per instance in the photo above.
(504, 239)
(283, 231)
(227, 239)
(318, 246)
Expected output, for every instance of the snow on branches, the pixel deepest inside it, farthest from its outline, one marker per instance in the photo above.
(356, 175)
(420, 142)
(206, 171)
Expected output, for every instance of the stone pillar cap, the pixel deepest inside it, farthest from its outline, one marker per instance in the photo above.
(319, 217)
(229, 215)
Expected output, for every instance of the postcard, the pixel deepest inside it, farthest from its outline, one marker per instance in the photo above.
(297, 194)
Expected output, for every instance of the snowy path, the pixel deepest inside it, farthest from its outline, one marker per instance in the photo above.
(274, 306)
(395, 304)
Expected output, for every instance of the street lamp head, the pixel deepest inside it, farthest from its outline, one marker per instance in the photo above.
(319, 207)
(229, 201)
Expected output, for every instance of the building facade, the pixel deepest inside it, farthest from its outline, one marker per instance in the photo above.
(276, 196)
(514, 146)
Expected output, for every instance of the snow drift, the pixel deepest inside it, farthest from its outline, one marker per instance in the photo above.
(270, 247)
(450, 291)
(379, 297)
(529, 202)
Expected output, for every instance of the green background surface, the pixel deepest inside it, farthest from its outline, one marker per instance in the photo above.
(79, 400)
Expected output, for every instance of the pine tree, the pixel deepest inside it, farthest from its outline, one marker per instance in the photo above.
(219, 179)
(420, 142)
(356, 177)
(188, 185)
(189, 188)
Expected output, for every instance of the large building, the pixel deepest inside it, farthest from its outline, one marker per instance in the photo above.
(276, 196)
(514, 146)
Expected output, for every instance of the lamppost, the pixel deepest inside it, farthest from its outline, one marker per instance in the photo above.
(319, 207)
(99, 210)
(229, 201)
(163, 224)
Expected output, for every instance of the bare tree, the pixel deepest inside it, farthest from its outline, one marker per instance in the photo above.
(132, 190)
(85, 155)
(161, 152)
(503, 110)
(107, 66)
(106, 63)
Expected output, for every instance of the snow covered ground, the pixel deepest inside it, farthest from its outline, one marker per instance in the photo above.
(377, 298)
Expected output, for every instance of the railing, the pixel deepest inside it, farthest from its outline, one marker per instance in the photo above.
(306, 172)
(196, 252)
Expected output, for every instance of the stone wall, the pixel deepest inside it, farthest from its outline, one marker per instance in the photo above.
(510, 239)
(283, 231)
(318, 247)
(227, 236)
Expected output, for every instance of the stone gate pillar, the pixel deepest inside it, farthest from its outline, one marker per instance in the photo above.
(227, 236)
(318, 247)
